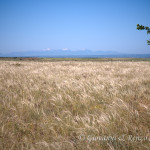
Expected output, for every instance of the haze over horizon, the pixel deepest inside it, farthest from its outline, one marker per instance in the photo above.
(97, 25)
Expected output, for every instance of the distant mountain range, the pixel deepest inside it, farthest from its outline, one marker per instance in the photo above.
(55, 53)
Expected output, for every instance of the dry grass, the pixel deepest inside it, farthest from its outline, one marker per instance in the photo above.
(48, 105)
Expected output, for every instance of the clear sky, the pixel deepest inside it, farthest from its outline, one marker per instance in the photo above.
(105, 25)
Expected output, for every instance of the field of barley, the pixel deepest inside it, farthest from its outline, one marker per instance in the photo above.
(74, 105)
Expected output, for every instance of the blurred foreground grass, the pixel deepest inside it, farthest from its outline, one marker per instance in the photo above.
(74, 105)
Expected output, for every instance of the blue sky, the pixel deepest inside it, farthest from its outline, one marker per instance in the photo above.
(104, 25)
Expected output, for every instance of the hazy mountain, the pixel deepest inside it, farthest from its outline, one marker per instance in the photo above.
(59, 53)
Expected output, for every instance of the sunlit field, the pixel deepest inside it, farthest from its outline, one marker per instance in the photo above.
(74, 105)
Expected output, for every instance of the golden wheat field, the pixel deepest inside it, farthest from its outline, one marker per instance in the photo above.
(74, 105)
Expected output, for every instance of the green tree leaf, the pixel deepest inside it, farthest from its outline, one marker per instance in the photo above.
(141, 27)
